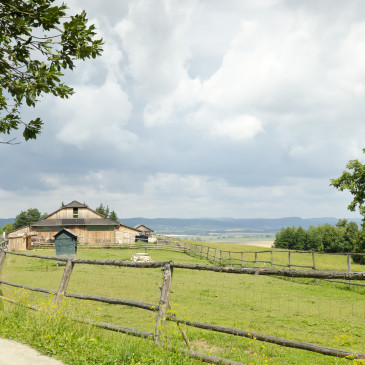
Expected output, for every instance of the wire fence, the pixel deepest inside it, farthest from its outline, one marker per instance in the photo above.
(291, 259)
(225, 300)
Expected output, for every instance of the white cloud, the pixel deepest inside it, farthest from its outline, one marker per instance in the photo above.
(96, 115)
(239, 128)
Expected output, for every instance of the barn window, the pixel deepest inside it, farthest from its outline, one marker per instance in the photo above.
(75, 212)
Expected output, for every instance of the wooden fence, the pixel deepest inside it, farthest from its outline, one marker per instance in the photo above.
(161, 308)
(241, 258)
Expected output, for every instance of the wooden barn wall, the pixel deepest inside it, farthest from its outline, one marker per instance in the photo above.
(125, 235)
(17, 239)
(85, 236)
(67, 213)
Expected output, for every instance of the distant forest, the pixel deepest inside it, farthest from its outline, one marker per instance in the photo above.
(343, 237)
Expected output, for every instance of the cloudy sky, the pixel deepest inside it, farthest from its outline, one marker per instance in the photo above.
(202, 108)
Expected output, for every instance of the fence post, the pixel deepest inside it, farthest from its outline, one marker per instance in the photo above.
(65, 280)
(215, 255)
(220, 251)
(164, 302)
(348, 263)
(349, 267)
(241, 258)
(208, 253)
(272, 258)
(314, 261)
(289, 259)
(201, 251)
(255, 263)
(230, 259)
(2, 259)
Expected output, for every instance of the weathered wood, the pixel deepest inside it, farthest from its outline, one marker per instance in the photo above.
(348, 263)
(320, 274)
(220, 259)
(314, 261)
(272, 339)
(215, 255)
(255, 259)
(349, 267)
(209, 358)
(344, 282)
(41, 290)
(272, 258)
(65, 280)
(2, 259)
(208, 252)
(289, 259)
(128, 302)
(230, 259)
(242, 259)
(185, 337)
(156, 264)
(107, 326)
(115, 328)
(164, 303)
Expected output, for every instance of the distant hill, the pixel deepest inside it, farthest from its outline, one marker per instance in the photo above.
(220, 225)
(3, 221)
(201, 226)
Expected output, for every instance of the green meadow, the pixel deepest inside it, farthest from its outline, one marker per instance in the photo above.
(324, 313)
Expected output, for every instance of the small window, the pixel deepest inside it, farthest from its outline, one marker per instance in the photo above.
(75, 212)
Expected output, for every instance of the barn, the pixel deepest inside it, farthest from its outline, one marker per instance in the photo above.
(89, 226)
(144, 229)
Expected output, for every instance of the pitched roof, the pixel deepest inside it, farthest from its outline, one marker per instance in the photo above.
(66, 230)
(75, 222)
(75, 204)
(143, 226)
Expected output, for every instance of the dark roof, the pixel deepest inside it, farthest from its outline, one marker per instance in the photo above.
(75, 204)
(67, 231)
(75, 222)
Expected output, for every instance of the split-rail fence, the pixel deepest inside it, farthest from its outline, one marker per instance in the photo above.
(161, 308)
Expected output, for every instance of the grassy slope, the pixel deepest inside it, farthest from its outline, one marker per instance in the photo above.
(327, 314)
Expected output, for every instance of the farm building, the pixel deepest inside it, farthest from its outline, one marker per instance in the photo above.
(89, 226)
(144, 229)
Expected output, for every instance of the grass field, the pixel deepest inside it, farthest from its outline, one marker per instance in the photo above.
(323, 261)
(328, 314)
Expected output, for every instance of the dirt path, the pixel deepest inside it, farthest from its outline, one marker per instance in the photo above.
(14, 353)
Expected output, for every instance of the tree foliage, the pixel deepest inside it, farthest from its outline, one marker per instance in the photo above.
(354, 182)
(344, 237)
(25, 218)
(113, 216)
(38, 41)
(6, 228)
(104, 210)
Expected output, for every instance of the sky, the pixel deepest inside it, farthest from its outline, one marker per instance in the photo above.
(202, 108)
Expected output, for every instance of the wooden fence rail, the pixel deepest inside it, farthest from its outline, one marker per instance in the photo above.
(162, 307)
(239, 258)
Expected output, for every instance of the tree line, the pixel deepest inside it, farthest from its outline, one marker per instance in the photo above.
(343, 237)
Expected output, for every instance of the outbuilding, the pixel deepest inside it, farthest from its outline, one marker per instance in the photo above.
(66, 244)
